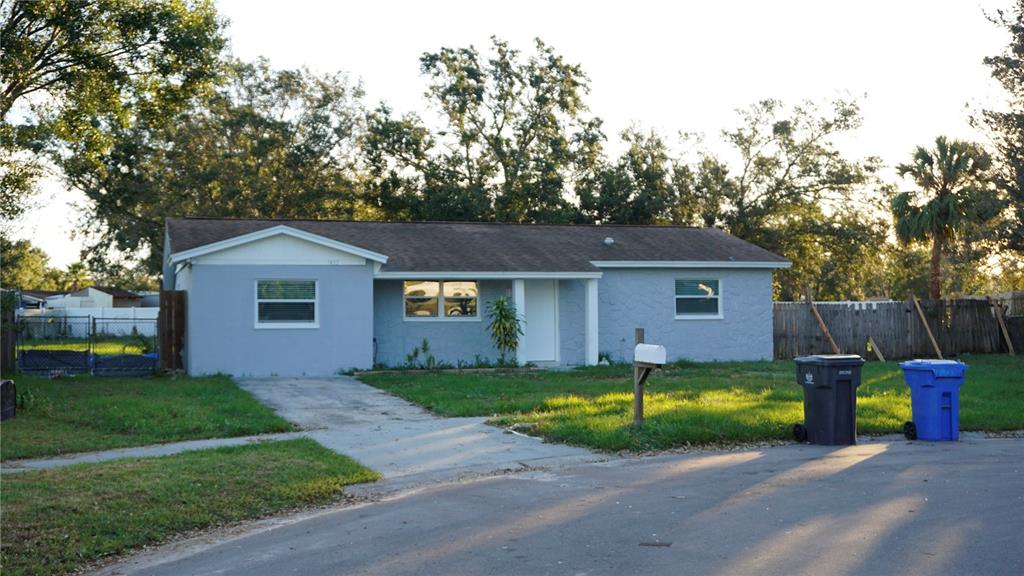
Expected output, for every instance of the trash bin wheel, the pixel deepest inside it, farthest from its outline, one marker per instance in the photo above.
(800, 432)
(910, 430)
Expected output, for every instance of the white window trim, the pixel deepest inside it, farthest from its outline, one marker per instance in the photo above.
(440, 303)
(285, 325)
(721, 307)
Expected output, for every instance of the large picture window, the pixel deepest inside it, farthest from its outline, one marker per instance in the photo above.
(698, 298)
(286, 304)
(452, 299)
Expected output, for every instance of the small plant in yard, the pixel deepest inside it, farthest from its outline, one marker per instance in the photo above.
(429, 362)
(25, 399)
(505, 327)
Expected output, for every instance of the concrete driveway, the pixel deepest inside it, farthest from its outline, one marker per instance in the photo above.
(402, 441)
(879, 508)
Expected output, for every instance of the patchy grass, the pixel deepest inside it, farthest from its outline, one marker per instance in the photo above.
(102, 344)
(56, 521)
(84, 413)
(714, 403)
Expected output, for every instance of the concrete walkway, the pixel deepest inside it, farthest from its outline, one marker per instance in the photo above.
(404, 442)
(139, 452)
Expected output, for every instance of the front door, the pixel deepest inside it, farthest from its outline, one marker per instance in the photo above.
(540, 329)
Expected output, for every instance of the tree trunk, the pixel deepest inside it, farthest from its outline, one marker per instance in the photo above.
(935, 279)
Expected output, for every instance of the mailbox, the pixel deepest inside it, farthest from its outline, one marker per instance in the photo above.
(649, 354)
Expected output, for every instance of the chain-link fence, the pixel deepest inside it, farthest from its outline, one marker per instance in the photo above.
(100, 346)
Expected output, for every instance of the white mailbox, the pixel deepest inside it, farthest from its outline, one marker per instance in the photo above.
(649, 354)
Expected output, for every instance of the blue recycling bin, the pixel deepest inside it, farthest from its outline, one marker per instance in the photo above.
(934, 398)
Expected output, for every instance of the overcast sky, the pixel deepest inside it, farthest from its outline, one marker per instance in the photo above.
(672, 66)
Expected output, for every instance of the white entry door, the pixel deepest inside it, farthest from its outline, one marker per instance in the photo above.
(540, 330)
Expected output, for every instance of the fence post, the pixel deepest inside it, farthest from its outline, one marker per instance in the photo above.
(821, 321)
(1002, 325)
(927, 328)
(638, 385)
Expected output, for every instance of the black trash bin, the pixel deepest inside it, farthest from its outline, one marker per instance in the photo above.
(830, 384)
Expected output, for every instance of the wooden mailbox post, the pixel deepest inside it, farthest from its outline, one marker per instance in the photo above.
(646, 357)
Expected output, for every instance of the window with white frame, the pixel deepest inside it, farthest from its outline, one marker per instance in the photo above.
(698, 298)
(449, 299)
(286, 304)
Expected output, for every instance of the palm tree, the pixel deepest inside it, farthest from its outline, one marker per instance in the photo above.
(75, 277)
(953, 180)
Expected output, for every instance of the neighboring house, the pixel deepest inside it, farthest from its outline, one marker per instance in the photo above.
(89, 297)
(278, 297)
(150, 298)
(34, 299)
(122, 298)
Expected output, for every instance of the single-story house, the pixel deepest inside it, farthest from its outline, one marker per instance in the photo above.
(302, 297)
(89, 297)
(122, 298)
(35, 299)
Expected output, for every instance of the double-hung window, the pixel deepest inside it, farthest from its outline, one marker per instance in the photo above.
(449, 299)
(698, 298)
(286, 304)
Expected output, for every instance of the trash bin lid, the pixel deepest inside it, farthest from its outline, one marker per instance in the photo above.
(942, 368)
(830, 360)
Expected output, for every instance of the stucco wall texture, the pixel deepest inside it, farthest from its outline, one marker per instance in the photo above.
(361, 321)
(645, 298)
(450, 340)
(222, 337)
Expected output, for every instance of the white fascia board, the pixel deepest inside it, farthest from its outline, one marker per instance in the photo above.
(441, 275)
(274, 231)
(688, 264)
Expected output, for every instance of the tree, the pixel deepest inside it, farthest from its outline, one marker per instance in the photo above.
(127, 276)
(24, 266)
(75, 69)
(1007, 127)
(637, 189)
(788, 192)
(954, 193)
(515, 139)
(265, 144)
(75, 277)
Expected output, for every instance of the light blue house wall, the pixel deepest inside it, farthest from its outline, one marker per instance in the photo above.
(450, 340)
(222, 337)
(645, 298)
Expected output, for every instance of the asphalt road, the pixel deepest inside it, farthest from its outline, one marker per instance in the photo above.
(879, 508)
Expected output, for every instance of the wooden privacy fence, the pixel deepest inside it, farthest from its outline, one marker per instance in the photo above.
(171, 325)
(895, 327)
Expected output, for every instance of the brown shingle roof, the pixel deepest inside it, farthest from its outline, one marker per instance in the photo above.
(492, 247)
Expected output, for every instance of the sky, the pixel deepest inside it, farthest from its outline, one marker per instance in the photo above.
(914, 65)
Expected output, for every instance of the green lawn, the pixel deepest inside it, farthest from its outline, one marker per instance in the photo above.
(58, 520)
(687, 404)
(84, 413)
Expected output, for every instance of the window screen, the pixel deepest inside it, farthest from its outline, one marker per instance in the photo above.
(696, 298)
(283, 302)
